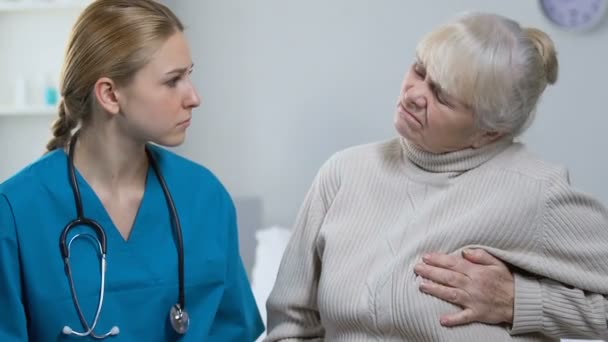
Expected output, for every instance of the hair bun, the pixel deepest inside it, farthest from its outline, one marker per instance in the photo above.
(546, 49)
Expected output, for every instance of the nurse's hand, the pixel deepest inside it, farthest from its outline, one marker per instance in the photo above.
(482, 285)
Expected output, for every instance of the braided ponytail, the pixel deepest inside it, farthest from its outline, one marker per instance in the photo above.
(96, 49)
(62, 129)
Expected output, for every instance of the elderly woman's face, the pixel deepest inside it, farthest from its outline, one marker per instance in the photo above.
(431, 119)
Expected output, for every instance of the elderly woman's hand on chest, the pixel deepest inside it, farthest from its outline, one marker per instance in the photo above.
(482, 285)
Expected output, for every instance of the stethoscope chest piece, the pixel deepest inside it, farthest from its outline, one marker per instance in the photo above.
(180, 321)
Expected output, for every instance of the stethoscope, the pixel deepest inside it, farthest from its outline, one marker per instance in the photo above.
(178, 316)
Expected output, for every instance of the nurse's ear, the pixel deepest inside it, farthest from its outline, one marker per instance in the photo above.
(106, 93)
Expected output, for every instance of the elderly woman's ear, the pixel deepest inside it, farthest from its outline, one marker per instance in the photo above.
(487, 138)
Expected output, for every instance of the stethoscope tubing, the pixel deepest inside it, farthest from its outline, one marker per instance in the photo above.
(82, 220)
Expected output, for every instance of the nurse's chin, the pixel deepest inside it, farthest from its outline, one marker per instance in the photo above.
(172, 140)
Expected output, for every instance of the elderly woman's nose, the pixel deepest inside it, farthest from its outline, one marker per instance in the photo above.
(416, 100)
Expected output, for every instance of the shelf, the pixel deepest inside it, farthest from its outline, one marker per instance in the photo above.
(28, 5)
(28, 111)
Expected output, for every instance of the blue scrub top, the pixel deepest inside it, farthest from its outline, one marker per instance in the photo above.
(142, 273)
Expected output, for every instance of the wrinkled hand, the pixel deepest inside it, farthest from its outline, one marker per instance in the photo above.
(479, 283)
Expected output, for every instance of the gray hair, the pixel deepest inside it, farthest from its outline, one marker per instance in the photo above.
(494, 66)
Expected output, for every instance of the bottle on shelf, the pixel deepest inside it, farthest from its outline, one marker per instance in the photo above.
(51, 92)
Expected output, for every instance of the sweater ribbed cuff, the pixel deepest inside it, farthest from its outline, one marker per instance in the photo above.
(528, 306)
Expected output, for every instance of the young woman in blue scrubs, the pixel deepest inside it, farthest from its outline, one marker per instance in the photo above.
(125, 85)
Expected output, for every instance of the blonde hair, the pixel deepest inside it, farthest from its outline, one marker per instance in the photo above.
(493, 65)
(111, 38)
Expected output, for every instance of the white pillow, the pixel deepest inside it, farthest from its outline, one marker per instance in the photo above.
(271, 243)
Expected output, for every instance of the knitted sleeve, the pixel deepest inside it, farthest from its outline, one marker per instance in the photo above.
(567, 295)
(555, 309)
(292, 304)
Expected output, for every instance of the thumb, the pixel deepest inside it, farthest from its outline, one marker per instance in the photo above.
(479, 256)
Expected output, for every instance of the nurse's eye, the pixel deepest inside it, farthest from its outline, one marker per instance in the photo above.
(173, 82)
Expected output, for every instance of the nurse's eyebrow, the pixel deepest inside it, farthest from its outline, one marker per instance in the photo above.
(181, 70)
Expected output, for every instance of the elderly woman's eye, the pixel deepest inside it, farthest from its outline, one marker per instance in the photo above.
(419, 70)
(442, 98)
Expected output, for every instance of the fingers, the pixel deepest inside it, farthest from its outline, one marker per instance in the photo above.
(476, 281)
(465, 316)
(449, 294)
(442, 276)
(454, 296)
(451, 262)
(479, 256)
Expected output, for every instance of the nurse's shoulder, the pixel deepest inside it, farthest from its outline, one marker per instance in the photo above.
(28, 182)
(183, 174)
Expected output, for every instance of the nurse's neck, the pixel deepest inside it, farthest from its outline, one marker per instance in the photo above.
(110, 160)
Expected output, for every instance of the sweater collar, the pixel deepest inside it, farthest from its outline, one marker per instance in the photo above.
(457, 161)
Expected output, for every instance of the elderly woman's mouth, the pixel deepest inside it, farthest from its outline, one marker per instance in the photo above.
(408, 116)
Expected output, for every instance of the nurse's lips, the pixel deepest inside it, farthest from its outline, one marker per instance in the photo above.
(185, 122)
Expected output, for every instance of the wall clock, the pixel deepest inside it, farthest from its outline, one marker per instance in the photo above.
(575, 15)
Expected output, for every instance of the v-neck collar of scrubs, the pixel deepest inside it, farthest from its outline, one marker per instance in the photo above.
(95, 209)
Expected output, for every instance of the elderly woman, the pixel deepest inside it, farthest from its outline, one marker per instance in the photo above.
(376, 249)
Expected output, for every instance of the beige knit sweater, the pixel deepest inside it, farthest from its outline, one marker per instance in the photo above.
(373, 210)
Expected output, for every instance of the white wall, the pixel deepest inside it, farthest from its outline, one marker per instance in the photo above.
(287, 83)
(32, 44)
